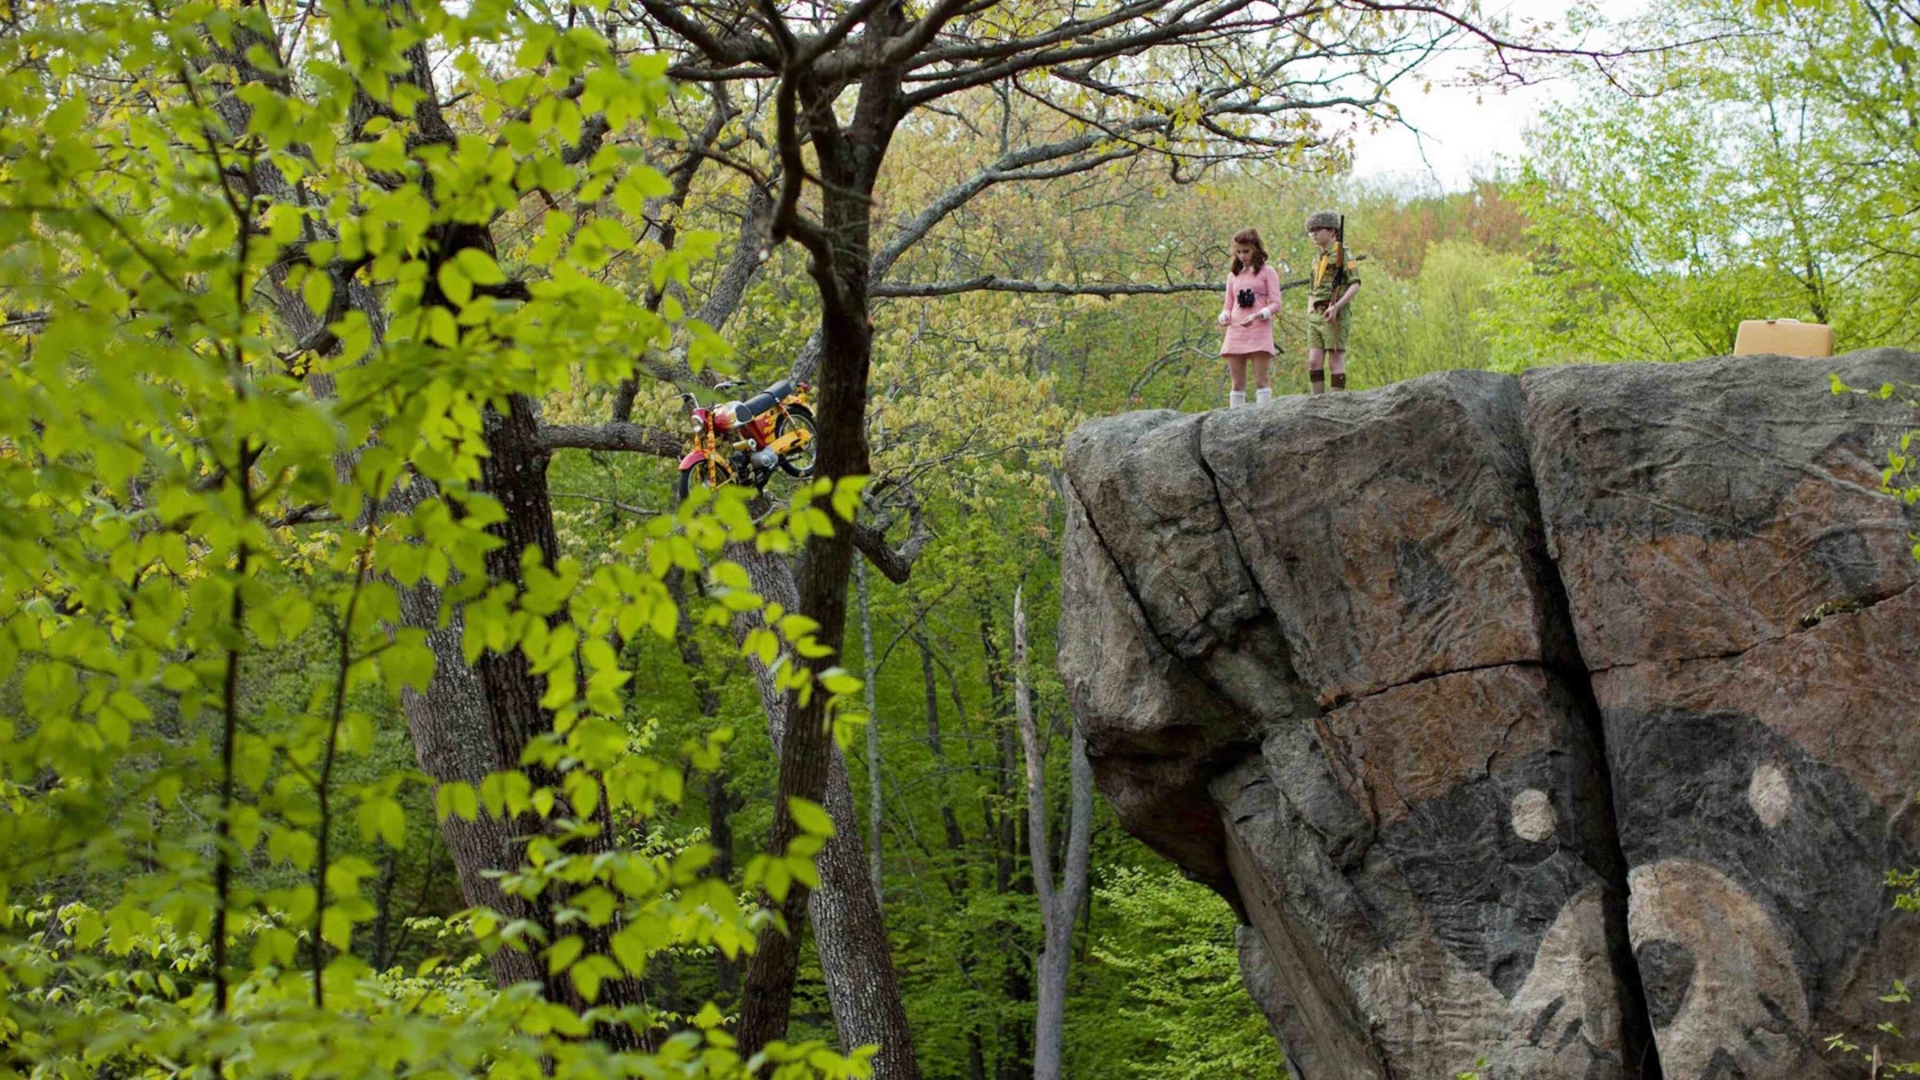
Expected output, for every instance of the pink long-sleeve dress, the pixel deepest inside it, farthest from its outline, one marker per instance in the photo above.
(1258, 338)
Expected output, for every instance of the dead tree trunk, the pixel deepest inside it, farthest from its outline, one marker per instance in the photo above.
(1059, 905)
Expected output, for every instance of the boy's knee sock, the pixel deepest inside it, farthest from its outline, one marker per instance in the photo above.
(1236, 398)
(1339, 380)
(1317, 381)
(1264, 393)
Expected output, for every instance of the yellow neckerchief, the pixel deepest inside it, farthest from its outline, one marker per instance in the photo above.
(1320, 266)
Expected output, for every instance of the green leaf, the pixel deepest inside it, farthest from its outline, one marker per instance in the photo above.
(382, 817)
(479, 267)
(336, 929)
(563, 953)
(129, 706)
(589, 973)
(846, 496)
(295, 847)
(317, 291)
(393, 824)
(651, 182)
(810, 817)
(839, 681)
(456, 797)
(441, 328)
(777, 879)
(629, 946)
(455, 284)
(283, 222)
(65, 119)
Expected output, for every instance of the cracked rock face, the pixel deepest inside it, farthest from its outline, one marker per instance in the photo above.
(1495, 707)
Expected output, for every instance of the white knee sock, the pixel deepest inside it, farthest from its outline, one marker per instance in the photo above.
(1264, 393)
(1236, 398)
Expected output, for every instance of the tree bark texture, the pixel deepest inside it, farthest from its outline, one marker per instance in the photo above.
(855, 956)
(1059, 906)
(848, 161)
(514, 472)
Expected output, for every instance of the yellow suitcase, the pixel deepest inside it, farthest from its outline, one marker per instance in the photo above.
(1783, 337)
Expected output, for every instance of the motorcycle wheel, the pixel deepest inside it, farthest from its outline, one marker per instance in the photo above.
(800, 462)
(710, 473)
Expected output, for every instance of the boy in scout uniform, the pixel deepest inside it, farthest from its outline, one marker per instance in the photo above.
(1329, 292)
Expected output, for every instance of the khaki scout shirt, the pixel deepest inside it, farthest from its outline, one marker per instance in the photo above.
(1321, 286)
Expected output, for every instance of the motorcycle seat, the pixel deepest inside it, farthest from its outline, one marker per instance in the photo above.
(745, 411)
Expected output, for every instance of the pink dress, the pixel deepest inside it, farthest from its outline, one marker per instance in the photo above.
(1264, 284)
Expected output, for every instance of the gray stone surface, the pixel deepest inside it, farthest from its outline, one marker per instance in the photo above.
(1695, 510)
(1743, 596)
(1495, 708)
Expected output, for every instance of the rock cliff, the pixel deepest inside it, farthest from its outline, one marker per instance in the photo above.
(1570, 720)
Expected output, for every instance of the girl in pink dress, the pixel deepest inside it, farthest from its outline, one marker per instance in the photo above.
(1253, 296)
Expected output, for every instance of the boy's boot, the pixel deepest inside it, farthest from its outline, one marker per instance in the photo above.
(1263, 395)
(1339, 380)
(1316, 382)
(1236, 398)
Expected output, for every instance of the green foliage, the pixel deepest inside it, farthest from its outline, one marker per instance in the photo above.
(1181, 1011)
(1439, 320)
(1762, 175)
(1878, 1056)
(1661, 225)
(178, 195)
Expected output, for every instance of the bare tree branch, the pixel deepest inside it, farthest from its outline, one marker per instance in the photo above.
(612, 436)
(994, 283)
(895, 563)
(1014, 166)
(1020, 55)
(728, 50)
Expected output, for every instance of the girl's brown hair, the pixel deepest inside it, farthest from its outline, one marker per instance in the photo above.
(1250, 236)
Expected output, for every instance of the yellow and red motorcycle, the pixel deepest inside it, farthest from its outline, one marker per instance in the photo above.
(744, 442)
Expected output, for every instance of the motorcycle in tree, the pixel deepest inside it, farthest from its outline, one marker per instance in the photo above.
(743, 442)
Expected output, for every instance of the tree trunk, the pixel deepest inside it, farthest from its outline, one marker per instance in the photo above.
(443, 722)
(1049, 1034)
(1004, 824)
(855, 957)
(1058, 906)
(875, 865)
(470, 721)
(514, 472)
(439, 720)
(726, 972)
(846, 167)
(956, 839)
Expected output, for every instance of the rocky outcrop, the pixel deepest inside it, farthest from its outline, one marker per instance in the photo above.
(1567, 721)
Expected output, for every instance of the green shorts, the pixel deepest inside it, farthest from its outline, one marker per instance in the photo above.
(1330, 336)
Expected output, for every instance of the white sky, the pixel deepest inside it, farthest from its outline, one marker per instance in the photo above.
(1466, 132)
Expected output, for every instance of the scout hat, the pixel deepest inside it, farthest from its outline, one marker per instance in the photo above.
(1322, 219)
